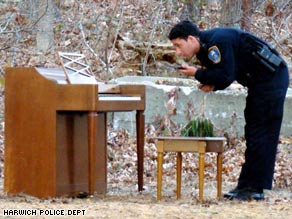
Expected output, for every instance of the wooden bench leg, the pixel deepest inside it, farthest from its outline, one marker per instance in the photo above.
(178, 175)
(219, 174)
(201, 175)
(159, 174)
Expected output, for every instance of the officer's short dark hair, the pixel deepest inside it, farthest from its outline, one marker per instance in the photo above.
(183, 29)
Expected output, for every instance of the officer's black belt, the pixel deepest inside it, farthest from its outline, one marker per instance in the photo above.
(268, 56)
(265, 55)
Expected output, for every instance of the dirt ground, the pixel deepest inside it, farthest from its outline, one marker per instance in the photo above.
(123, 201)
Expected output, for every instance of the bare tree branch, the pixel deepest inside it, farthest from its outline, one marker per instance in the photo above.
(117, 33)
(88, 46)
(155, 22)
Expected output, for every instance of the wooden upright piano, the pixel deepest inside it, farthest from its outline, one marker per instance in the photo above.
(56, 132)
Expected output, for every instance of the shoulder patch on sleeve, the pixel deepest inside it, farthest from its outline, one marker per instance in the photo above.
(214, 54)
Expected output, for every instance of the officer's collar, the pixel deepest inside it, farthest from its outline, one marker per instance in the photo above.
(203, 45)
(202, 35)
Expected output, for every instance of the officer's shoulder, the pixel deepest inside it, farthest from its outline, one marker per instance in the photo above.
(223, 34)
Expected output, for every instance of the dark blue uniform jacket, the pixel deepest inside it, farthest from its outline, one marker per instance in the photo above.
(232, 60)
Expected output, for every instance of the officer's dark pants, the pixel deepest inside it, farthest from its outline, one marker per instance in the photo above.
(263, 115)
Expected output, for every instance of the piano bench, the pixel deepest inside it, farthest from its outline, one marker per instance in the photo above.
(199, 145)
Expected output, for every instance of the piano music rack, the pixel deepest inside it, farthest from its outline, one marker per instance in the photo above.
(74, 64)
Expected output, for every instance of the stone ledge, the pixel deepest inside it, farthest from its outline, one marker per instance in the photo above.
(225, 108)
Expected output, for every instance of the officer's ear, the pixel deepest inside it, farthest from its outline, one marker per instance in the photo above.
(193, 38)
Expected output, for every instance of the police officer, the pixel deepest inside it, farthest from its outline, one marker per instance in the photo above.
(228, 55)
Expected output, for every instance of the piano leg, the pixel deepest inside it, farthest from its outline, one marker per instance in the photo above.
(92, 145)
(97, 140)
(101, 154)
(140, 125)
(97, 153)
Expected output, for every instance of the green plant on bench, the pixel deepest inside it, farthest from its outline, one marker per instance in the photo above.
(198, 127)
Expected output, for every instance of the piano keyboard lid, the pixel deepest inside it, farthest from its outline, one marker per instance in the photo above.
(107, 92)
(117, 97)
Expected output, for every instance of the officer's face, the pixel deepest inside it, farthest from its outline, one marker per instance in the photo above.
(186, 48)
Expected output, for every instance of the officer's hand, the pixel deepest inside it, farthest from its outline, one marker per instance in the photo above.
(188, 70)
(206, 88)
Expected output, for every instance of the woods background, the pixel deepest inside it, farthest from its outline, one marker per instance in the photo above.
(126, 37)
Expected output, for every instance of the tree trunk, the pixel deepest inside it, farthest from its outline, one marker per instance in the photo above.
(247, 9)
(212, 2)
(230, 14)
(191, 11)
(45, 25)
